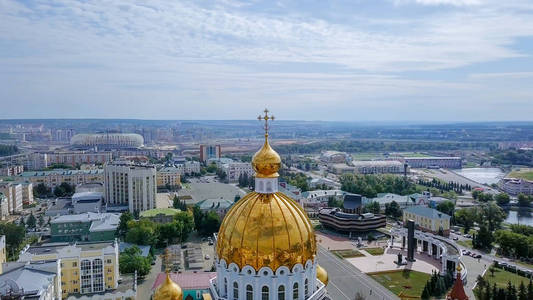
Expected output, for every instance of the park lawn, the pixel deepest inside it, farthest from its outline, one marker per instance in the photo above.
(407, 282)
(466, 243)
(347, 253)
(523, 173)
(502, 277)
(413, 154)
(374, 251)
(366, 156)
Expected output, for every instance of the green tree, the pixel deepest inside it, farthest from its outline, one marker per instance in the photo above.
(31, 221)
(372, 207)
(502, 199)
(333, 202)
(41, 220)
(131, 260)
(125, 217)
(447, 207)
(522, 292)
(42, 191)
(483, 239)
(393, 210)
(142, 232)
(524, 200)
(466, 217)
(15, 235)
(211, 223)
(492, 214)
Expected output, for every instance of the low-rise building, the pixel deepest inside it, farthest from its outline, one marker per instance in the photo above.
(428, 219)
(160, 215)
(75, 158)
(54, 178)
(434, 162)
(84, 202)
(191, 167)
(84, 227)
(4, 207)
(515, 186)
(386, 198)
(3, 254)
(220, 206)
(319, 198)
(31, 280)
(378, 167)
(335, 157)
(169, 176)
(85, 268)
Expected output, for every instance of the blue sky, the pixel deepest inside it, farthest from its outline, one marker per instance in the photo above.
(388, 60)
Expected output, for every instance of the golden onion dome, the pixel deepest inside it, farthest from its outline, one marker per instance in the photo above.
(266, 230)
(322, 275)
(169, 290)
(266, 162)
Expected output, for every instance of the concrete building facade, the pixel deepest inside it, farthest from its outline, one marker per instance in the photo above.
(55, 177)
(428, 219)
(209, 151)
(130, 184)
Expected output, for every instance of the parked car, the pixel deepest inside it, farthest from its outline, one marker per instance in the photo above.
(455, 238)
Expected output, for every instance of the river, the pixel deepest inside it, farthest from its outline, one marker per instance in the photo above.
(482, 175)
(522, 216)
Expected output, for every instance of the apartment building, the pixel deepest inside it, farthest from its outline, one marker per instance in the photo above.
(13, 192)
(235, 169)
(130, 184)
(86, 268)
(27, 193)
(4, 207)
(434, 162)
(170, 176)
(515, 186)
(84, 227)
(54, 178)
(75, 158)
(11, 170)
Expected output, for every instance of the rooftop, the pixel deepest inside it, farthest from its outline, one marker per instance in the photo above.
(55, 247)
(427, 212)
(376, 163)
(187, 281)
(123, 246)
(214, 203)
(156, 211)
(61, 172)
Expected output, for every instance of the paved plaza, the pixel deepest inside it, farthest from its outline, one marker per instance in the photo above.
(199, 191)
(386, 262)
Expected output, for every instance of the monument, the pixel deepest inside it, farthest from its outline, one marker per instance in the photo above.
(411, 242)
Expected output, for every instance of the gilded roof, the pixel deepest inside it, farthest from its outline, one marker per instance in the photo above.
(266, 230)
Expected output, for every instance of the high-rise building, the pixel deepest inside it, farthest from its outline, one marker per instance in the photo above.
(209, 151)
(130, 184)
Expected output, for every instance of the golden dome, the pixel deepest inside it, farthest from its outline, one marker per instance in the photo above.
(322, 275)
(266, 230)
(266, 162)
(168, 291)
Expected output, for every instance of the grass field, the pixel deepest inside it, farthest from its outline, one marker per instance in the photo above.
(347, 253)
(466, 243)
(375, 251)
(501, 277)
(408, 283)
(522, 173)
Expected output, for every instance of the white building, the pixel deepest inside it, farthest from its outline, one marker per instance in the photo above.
(515, 186)
(13, 192)
(235, 169)
(4, 206)
(130, 184)
(191, 167)
(27, 193)
(335, 157)
(31, 280)
(378, 167)
(434, 162)
(11, 170)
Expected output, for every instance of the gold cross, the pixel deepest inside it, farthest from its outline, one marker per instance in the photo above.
(266, 117)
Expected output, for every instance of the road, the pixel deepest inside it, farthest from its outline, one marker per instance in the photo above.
(345, 280)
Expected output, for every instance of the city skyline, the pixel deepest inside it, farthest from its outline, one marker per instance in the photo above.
(390, 60)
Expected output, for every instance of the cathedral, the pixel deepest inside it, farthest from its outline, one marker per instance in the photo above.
(266, 247)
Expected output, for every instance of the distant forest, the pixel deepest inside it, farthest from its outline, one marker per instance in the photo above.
(513, 157)
(8, 150)
(382, 146)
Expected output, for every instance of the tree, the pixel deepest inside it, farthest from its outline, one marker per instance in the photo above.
(483, 239)
(393, 210)
(131, 260)
(524, 200)
(466, 218)
(31, 221)
(125, 217)
(142, 232)
(42, 191)
(492, 270)
(522, 292)
(502, 199)
(15, 235)
(41, 220)
(370, 237)
(211, 223)
(447, 207)
(333, 202)
(237, 198)
(372, 207)
(493, 215)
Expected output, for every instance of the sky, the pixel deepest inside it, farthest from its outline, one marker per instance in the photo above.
(353, 60)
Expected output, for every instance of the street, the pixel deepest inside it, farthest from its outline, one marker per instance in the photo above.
(345, 280)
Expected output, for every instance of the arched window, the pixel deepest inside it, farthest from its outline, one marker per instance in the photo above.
(264, 293)
(235, 291)
(225, 287)
(281, 292)
(306, 287)
(249, 292)
(295, 291)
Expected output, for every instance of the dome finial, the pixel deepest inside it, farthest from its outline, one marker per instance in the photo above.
(266, 162)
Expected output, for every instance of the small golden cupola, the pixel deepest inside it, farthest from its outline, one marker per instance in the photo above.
(322, 275)
(266, 162)
(168, 290)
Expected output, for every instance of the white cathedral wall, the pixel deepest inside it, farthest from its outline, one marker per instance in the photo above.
(265, 277)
